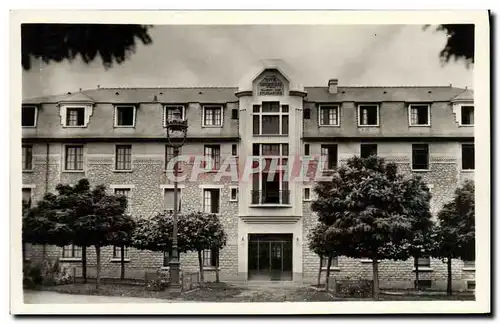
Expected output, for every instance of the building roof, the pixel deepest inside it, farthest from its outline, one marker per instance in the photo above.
(227, 94)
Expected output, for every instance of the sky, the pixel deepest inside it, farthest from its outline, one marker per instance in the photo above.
(221, 55)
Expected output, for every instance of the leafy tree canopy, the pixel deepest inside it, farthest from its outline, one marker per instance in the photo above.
(370, 208)
(57, 42)
(459, 43)
(456, 225)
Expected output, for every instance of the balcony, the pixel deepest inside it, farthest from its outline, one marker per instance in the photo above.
(270, 198)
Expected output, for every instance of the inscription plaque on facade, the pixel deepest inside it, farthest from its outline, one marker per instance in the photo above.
(271, 85)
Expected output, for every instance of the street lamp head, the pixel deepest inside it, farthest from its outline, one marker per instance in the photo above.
(176, 128)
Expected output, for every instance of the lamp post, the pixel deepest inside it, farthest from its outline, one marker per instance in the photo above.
(176, 131)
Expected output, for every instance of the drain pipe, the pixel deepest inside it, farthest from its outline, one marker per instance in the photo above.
(47, 168)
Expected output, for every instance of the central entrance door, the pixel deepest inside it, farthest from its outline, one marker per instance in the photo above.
(270, 257)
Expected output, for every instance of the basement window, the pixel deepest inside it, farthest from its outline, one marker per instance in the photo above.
(368, 150)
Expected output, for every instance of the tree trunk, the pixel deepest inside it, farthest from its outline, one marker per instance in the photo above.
(375, 278)
(43, 253)
(448, 286)
(319, 270)
(200, 262)
(84, 264)
(217, 278)
(416, 274)
(327, 281)
(98, 265)
(122, 261)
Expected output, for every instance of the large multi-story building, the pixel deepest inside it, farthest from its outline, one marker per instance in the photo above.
(117, 137)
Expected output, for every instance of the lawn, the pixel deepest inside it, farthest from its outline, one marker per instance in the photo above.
(223, 292)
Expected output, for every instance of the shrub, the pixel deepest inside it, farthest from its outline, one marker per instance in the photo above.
(32, 275)
(160, 283)
(355, 288)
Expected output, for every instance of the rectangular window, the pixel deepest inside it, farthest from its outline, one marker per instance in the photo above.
(368, 115)
(125, 116)
(211, 200)
(420, 156)
(469, 263)
(28, 116)
(329, 115)
(75, 116)
(26, 192)
(117, 252)
(468, 157)
(212, 116)
(335, 262)
(270, 125)
(423, 262)
(307, 113)
(168, 200)
(307, 194)
(306, 149)
(467, 115)
(471, 285)
(256, 149)
(234, 149)
(27, 157)
(368, 150)
(124, 157)
(271, 149)
(212, 157)
(72, 251)
(175, 112)
(124, 192)
(329, 156)
(74, 157)
(169, 155)
(424, 284)
(272, 119)
(209, 258)
(234, 114)
(419, 115)
(234, 194)
(166, 258)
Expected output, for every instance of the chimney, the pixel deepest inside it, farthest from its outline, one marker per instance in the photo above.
(332, 85)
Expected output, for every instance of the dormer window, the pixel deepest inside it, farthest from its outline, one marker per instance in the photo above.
(124, 116)
(467, 115)
(28, 116)
(75, 116)
(212, 115)
(368, 115)
(174, 112)
(419, 115)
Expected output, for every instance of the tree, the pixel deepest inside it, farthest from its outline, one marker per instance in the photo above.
(459, 43)
(123, 239)
(368, 210)
(203, 231)
(456, 229)
(421, 242)
(57, 42)
(317, 244)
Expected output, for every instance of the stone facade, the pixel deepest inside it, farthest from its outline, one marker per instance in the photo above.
(148, 178)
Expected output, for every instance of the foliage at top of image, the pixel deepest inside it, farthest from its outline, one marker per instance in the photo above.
(459, 44)
(57, 42)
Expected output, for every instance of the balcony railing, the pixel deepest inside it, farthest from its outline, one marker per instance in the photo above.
(271, 197)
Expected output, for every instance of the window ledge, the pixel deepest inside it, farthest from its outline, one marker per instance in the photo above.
(468, 269)
(233, 200)
(307, 200)
(28, 171)
(423, 269)
(368, 261)
(123, 171)
(420, 125)
(120, 260)
(329, 125)
(420, 170)
(123, 126)
(73, 171)
(368, 125)
(331, 268)
(211, 126)
(28, 126)
(270, 135)
(466, 125)
(467, 170)
(70, 259)
(82, 126)
(270, 205)
(209, 268)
